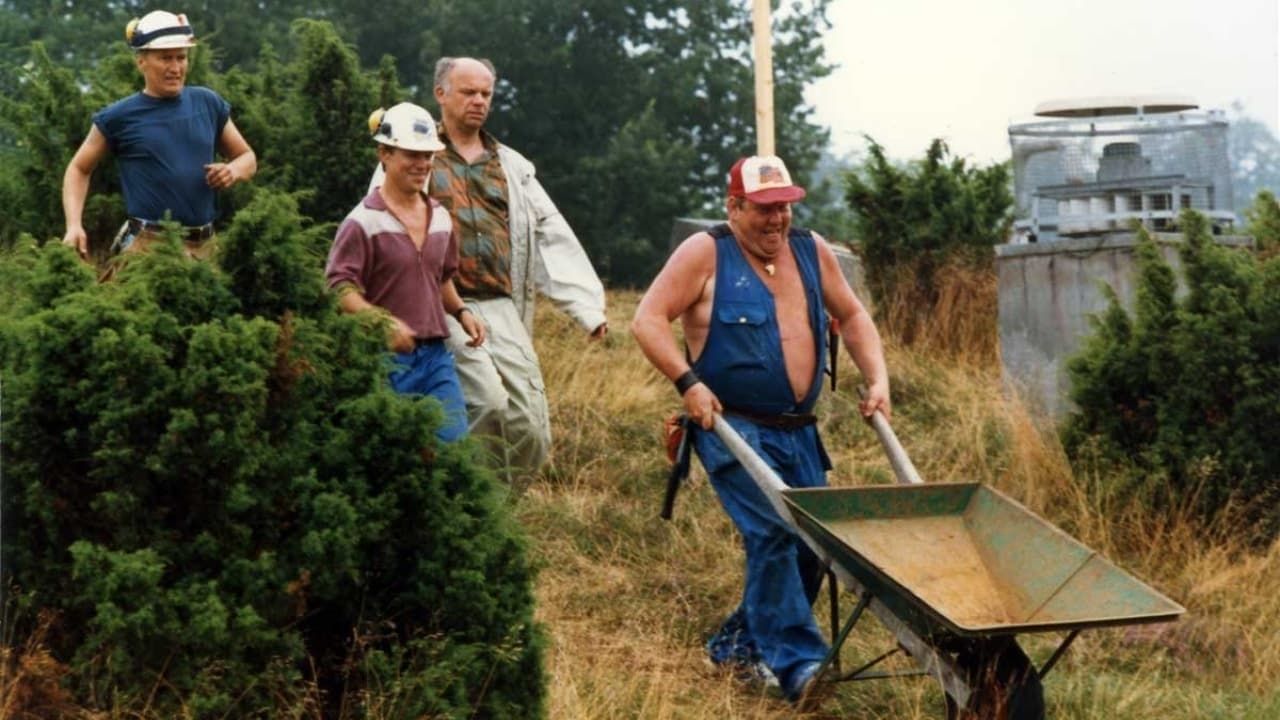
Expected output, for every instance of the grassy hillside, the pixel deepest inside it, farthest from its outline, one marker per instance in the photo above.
(628, 598)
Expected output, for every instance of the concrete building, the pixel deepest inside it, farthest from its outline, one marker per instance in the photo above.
(1083, 175)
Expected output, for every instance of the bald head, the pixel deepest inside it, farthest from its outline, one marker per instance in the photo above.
(446, 65)
(464, 89)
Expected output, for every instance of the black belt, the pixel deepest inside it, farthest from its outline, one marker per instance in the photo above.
(777, 421)
(190, 234)
(421, 342)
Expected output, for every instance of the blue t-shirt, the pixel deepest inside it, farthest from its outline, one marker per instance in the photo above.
(161, 146)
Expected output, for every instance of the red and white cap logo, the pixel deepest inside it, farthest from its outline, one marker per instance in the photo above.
(763, 179)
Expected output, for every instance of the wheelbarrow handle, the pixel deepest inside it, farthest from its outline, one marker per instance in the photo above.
(903, 468)
(770, 484)
(932, 660)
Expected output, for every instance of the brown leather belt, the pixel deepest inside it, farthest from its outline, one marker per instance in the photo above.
(190, 234)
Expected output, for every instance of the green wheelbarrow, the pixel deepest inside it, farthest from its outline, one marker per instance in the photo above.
(954, 571)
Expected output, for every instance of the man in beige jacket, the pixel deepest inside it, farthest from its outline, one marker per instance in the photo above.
(513, 241)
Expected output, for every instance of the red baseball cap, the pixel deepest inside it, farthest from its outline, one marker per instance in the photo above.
(763, 179)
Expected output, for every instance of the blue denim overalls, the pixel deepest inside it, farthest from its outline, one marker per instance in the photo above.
(742, 364)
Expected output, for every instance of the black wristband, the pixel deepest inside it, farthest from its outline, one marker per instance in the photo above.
(457, 314)
(686, 381)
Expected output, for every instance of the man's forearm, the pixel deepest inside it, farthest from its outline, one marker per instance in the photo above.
(75, 188)
(659, 345)
(246, 166)
(862, 340)
(449, 297)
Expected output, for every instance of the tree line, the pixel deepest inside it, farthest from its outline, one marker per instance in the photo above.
(632, 111)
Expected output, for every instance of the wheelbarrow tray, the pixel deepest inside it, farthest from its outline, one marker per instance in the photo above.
(964, 560)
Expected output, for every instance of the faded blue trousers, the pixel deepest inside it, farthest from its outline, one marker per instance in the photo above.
(429, 370)
(774, 622)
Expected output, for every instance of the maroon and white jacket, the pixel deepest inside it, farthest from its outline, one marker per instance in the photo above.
(373, 251)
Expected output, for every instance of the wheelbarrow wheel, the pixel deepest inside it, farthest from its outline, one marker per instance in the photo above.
(1005, 684)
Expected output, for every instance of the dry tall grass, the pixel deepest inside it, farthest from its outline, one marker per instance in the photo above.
(948, 311)
(628, 599)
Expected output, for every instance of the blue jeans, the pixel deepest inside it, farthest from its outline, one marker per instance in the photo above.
(774, 622)
(429, 370)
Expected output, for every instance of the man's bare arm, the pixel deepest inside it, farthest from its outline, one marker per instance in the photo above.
(75, 188)
(242, 162)
(857, 331)
(678, 287)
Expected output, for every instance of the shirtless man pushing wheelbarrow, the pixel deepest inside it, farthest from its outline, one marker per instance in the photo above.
(753, 297)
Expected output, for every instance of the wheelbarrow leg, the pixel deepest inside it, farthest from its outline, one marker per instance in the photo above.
(833, 593)
(1005, 684)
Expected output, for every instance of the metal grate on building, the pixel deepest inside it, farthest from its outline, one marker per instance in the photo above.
(1092, 167)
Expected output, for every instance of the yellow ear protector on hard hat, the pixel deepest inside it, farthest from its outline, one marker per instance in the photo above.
(129, 31)
(375, 121)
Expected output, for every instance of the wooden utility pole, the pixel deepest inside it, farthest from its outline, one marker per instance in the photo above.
(763, 34)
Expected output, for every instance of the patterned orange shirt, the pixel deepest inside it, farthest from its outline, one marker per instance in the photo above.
(476, 196)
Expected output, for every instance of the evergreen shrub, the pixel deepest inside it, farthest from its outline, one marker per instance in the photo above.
(209, 482)
(1185, 392)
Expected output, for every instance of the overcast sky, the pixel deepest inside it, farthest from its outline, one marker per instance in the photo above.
(912, 70)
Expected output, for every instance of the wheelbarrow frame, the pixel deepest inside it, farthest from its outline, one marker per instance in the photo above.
(930, 649)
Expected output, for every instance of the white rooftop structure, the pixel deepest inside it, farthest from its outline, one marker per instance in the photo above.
(1115, 106)
(1092, 166)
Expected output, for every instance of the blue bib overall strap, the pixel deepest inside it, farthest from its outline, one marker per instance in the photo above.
(740, 360)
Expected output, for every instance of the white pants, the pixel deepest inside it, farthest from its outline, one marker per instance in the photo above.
(502, 384)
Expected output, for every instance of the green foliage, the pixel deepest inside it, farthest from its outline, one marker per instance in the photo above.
(326, 145)
(577, 79)
(645, 153)
(1263, 219)
(262, 251)
(916, 215)
(46, 119)
(825, 208)
(210, 482)
(926, 231)
(1255, 156)
(1187, 389)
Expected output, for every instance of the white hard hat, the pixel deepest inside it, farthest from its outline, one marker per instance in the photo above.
(159, 30)
(406, 126)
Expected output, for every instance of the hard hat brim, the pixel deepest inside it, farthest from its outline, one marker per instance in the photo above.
(428, 146)
(169, 43)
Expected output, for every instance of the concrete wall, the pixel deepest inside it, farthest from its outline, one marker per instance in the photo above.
(1048, 291)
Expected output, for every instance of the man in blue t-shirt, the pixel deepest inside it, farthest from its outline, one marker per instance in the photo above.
(164, 139)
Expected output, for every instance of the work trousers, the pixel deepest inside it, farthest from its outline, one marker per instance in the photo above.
(502, 384)
(774, 621)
